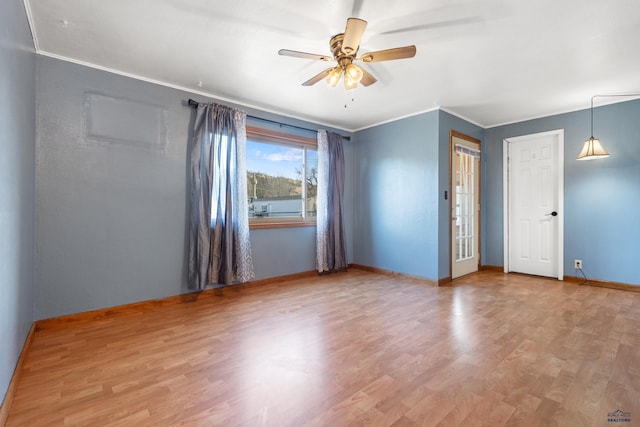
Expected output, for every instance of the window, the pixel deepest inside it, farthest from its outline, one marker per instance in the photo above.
(282, 179)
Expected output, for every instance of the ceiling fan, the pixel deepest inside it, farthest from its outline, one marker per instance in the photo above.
(344, 47)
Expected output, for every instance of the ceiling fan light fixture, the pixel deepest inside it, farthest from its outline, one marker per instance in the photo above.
(334, 76)
(354, 72)
(349, 83)
(345, 47)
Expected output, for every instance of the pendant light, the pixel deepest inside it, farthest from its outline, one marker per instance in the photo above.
(592, 149)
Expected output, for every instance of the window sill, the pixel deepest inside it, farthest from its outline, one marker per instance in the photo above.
(255, 224)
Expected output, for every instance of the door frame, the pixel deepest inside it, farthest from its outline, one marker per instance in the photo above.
(560, 202)
(456, 134)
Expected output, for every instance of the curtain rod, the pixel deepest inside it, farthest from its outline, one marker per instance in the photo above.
(195, 104)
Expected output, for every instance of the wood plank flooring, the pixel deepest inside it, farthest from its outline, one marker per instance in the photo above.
(349, 349)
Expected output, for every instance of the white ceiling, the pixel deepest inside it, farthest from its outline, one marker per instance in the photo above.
(489, 61)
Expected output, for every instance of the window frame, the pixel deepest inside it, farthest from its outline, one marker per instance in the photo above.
(272, 137)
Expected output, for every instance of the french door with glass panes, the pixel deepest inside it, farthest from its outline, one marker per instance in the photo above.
(465, 204)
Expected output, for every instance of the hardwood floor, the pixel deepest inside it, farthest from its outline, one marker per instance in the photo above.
(354, 348)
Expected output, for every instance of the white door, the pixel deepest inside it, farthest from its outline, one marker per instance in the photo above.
(465, 204)
(534, 204)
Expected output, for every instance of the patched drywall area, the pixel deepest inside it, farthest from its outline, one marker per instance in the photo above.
(123, 121)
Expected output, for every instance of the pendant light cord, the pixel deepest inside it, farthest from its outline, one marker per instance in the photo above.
(592, 115)
(613, 95)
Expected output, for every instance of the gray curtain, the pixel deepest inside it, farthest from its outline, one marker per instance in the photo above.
(220, 251)
(330, 240)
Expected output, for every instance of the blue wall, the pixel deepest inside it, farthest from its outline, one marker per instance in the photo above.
(17, 194)
(403, 172)
(601, 197)
(111, 193)
(397, 203)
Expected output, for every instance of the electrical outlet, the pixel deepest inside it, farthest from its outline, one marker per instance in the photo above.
(577, 264)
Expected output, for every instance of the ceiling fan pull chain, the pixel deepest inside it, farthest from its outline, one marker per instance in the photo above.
(348, 92)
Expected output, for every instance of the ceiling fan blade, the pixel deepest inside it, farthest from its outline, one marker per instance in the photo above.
(357, 6)
(389, 54)
(352, 35)
(367, 78)
(432, 25)
(304, 55)
(315, 79)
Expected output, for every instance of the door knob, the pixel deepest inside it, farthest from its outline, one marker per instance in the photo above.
(554, 213)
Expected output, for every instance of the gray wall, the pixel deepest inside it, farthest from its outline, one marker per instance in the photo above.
(111, 193)
(17, 154)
